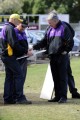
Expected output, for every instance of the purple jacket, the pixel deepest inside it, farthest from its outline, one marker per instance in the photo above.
(56, 40)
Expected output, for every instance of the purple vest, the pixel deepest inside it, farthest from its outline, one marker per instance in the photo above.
(20, 35)
(58, 32)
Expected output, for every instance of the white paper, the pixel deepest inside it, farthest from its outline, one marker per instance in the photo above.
(48, 85)
(34, 53)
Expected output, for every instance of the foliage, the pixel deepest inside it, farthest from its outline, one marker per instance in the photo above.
(71, 7)
(27, 7)
(73, 10)
(9, 7)
(39, 7)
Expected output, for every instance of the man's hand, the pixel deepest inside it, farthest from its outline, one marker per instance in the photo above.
(30, 52)
(64, 53)
(30, 46)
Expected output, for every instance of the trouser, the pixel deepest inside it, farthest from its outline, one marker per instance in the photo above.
(23, 64)
(58, 65)
(71, 82)
(13, 78)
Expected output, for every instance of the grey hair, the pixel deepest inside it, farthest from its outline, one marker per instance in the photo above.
(52, 15)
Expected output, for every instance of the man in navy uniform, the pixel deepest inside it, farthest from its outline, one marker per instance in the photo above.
(58, 41)
(14, 74)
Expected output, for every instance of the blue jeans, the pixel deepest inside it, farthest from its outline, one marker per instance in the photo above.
(13, 79)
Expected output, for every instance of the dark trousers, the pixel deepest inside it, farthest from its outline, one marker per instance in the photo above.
(58, 65)
(71, 82)
(23, 64)
(13, 79)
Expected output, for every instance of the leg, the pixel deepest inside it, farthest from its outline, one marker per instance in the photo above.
(71, 83)
(23, 64)
(14, 67)
(62, 70)
(54, 71)
(8, 86)
(19, 82)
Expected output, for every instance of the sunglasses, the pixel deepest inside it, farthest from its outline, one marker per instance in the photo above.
(24, 26)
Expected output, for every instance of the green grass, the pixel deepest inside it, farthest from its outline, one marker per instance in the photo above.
(41, 109)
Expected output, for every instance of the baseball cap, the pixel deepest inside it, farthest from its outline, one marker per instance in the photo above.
(24, 23)
(16, 16)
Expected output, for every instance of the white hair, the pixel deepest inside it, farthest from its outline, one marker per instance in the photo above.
(52, 15)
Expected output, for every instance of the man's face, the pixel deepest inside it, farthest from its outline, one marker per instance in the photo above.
(52, 23)
(21, 27)
(16, 22)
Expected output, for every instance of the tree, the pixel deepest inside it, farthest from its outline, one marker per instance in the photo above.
(71, 7)
(74, 10)
(28, 5)
(9, 7)
(58, 5)
(39, 7)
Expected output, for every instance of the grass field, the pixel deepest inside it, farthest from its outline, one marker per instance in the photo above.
(41, 109)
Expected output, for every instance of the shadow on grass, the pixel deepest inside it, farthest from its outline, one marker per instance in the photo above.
(36, 100)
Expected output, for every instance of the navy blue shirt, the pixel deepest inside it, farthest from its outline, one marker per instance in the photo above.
(10, 36)
(56, 40)
(22, 40)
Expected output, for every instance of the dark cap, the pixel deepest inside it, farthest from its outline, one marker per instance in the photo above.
(25, 23)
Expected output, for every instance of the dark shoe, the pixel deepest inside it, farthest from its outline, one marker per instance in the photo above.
(55, 99)
(62, 100)
(11, 102)
(76, 95)
(24, 102)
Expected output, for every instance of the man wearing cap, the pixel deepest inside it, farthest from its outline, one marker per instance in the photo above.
(22, 39)
(58, 41)
(14, 76)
